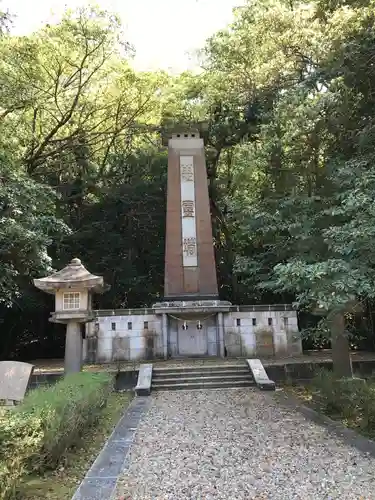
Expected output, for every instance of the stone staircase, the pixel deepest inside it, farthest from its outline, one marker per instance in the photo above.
(201, 377)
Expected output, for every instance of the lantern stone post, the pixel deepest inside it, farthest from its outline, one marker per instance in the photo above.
(73, 288)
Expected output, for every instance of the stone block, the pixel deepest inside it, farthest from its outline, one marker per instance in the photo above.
(110, 461)
(143, 387)
(233, 343)
(260, 376)
(276, 373)
(300, 371)
(264, 341)
(96, 489)
(120, 348)
(14, 380)
(364, 368)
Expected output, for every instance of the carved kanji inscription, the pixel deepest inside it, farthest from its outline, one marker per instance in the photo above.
(190, 247)
(188, 208)
(187, 173)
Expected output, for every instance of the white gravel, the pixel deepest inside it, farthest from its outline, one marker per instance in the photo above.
(239, 444)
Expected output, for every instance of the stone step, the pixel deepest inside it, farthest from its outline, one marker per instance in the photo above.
(201, 373)
(217, 368)
(199, 378)
(213, 376)
(227, 384)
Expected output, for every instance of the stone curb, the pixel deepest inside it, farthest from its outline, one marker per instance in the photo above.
(348, 436)
(101, 480)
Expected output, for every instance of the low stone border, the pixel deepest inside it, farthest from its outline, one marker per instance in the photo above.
(43, 379)
(143, 387)
(259, 375)
(349, 436)
(101, 480)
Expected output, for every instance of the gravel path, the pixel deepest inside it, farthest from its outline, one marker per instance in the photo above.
(239, 444)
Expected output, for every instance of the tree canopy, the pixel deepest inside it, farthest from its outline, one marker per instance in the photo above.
(287, 93)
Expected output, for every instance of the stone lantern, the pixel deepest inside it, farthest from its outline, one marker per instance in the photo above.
(72, 287)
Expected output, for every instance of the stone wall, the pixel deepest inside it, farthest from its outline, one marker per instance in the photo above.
(124, 337)
(263, 333)
(137, 334)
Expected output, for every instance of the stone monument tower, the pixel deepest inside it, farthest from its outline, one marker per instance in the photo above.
(190, 320)
(190, 271)
(192, 314)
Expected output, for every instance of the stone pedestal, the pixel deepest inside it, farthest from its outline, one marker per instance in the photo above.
(73, 348)
(190, 333)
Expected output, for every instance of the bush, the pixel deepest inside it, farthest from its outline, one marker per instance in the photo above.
(20, 438)
(352, 400)
(337, 396)
(36, 435)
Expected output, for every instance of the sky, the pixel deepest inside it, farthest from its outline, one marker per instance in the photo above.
(164, 32)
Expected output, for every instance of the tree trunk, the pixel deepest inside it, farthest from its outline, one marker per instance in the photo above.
(342, 363)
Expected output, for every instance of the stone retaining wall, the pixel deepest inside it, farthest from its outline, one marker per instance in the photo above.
(280, 373)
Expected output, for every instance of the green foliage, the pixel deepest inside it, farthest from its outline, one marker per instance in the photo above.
(20, 438)
(81, 172)
(121, 235)
(28, 224)
(36, 435)
(352, 400)
(306, 228)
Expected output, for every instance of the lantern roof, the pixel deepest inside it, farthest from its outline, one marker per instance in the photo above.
(74, 276)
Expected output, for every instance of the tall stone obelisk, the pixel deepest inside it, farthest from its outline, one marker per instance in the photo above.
(190, 271)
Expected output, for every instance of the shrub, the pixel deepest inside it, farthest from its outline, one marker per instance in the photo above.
(350, 399)
(338, 396)
(36, 435)
(20, 439)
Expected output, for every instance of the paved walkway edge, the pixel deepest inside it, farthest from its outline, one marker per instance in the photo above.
(348, 436)
(101, 480)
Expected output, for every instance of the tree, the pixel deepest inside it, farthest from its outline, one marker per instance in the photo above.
(71, 115)
(28, 224)
(313, 160)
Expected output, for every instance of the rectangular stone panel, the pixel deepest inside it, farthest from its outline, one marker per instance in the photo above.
(173, 280)
(14, 379)
(191, 280)
(188, 224)
(143, 387)
(110, 461)
(259, 374)
(206, 256)
(264, 341)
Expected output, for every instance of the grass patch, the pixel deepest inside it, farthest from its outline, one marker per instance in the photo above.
(349, 401)
(61, 483)
(36, 435)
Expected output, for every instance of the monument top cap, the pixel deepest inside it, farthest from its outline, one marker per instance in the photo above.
(183, 131)
(73, 275)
